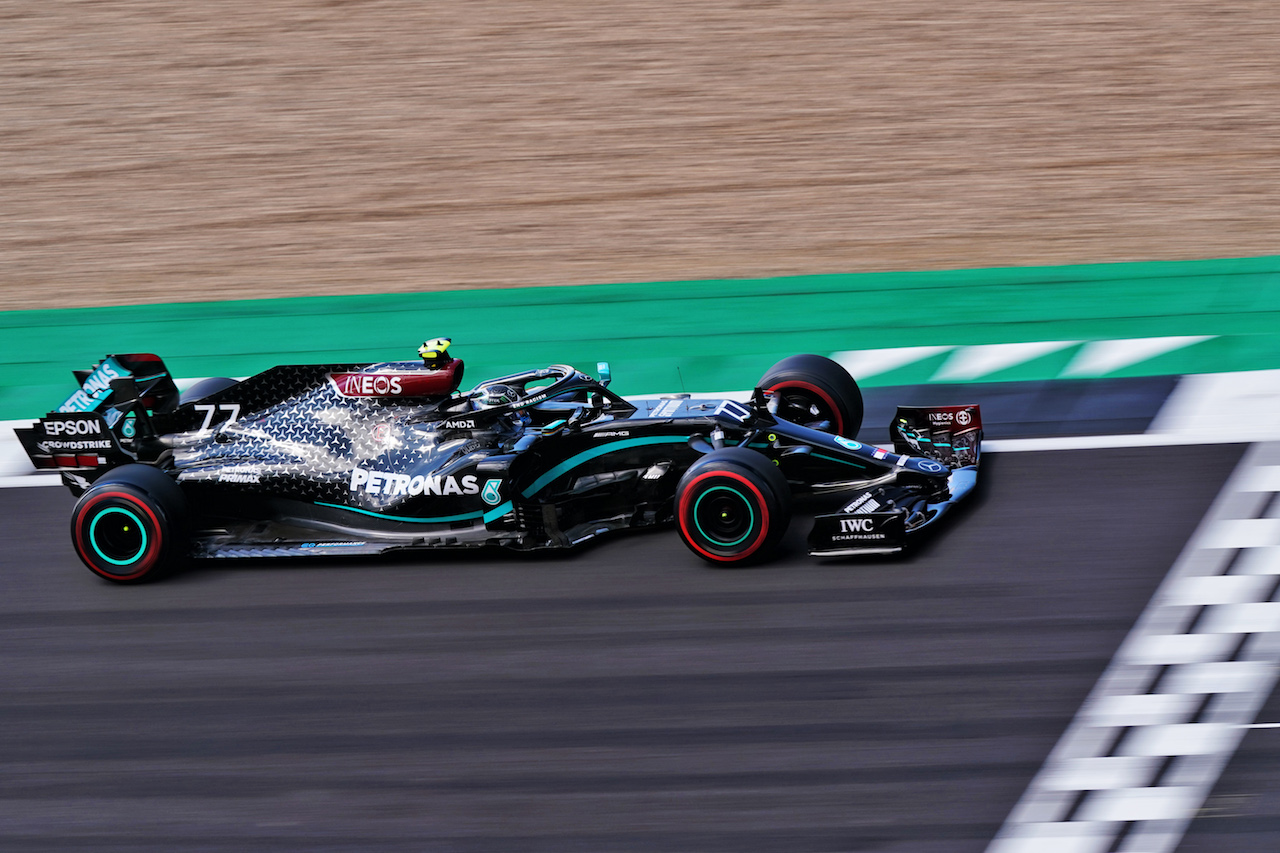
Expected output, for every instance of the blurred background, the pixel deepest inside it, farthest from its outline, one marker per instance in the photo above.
(1025, 204)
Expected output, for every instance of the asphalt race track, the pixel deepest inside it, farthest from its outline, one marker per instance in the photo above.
(622, 698)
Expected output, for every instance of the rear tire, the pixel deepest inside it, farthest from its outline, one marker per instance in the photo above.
(732, 506)
(815, 391)
(131, 525)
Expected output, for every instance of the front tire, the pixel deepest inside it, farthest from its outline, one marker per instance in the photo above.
(732, 506)
(130, 526)
(816, 392)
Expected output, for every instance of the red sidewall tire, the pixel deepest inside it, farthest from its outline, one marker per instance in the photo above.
(732, 506)
(824, 396)
(130, 526)
(816, 379)
(699, 488)
(121, 563)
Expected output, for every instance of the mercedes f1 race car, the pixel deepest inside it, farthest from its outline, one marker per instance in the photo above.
(369, 458)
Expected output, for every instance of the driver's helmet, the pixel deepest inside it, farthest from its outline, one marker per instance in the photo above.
(497, 395)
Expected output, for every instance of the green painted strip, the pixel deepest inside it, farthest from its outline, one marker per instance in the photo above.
(662, 336)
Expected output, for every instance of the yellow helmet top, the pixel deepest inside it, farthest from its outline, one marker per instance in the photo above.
(435, 351)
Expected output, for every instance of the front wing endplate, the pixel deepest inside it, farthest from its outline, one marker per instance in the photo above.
(842, 534)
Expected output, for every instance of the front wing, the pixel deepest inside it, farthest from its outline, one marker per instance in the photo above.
(884, 518)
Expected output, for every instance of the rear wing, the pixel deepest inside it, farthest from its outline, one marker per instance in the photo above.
(97, 394)
(95, 428)
(73, 441)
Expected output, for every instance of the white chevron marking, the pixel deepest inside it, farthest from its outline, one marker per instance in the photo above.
(1099, 358)
(978, 361)
(1109, 752)
(870, 362)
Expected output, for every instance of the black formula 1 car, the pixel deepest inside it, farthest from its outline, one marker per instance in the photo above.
(368, 458)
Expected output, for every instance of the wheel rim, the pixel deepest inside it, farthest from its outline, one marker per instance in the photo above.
(118, 536)
(800, 408)
(808, 406)
(724, 516)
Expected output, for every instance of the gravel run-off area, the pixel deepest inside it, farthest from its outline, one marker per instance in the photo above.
(163, 151)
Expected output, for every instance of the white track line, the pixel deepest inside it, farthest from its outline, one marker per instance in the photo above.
(1151, 740)
(23, 481)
